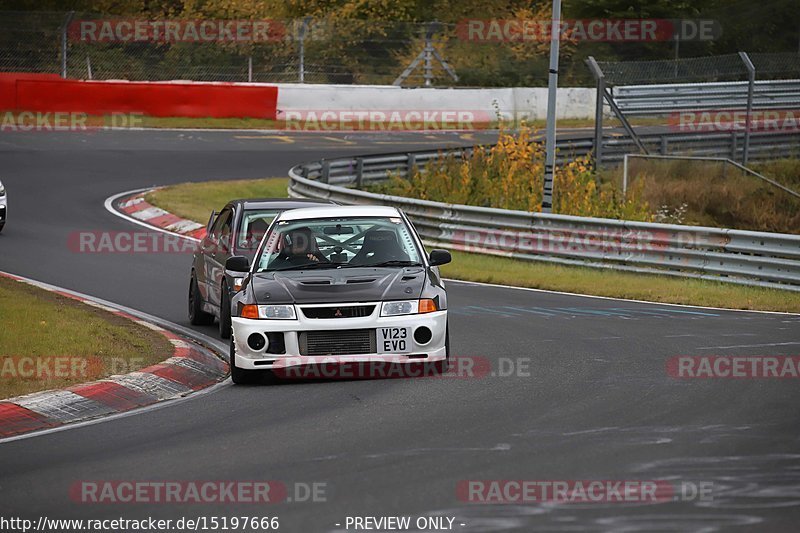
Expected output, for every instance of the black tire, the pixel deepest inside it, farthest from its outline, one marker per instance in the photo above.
(197, 317)
(225, 313)
(239, 376)
(441, 367)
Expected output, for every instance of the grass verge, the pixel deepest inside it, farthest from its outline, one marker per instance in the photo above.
(249, 123)
(267, 124)
(53, 341)
(195, 201)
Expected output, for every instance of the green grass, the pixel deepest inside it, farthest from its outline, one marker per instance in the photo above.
(248, 123)
(195, 201)
(268, 124)
(47, 325)
(209, 123)
(507, 271)
(716, 194)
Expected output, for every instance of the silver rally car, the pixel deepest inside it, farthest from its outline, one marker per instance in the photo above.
(338, 285)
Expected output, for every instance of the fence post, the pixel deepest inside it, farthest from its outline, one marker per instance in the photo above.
(250, 68)
(302, 49)
(734, 147)
(359, 172)
(598, 110)
(325, 174)
(664, 144)
(64, 30)
(751, 82)
(625, 175)
(550, 133)
(412, 164)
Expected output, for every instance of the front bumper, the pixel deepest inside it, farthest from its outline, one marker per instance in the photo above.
(247, 358)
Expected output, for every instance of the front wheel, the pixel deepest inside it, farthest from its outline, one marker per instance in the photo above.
(239, 376)
(197, 317)
(225, 313)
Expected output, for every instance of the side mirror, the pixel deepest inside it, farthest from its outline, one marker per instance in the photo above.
(440, 257)
(211, 221)
(237, 263)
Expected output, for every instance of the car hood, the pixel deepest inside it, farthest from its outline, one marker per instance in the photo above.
(339, 285)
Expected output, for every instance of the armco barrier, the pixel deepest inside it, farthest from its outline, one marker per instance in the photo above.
(49, 93)
(743, 257)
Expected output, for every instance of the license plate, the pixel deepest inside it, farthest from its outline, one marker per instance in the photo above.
(394, 340)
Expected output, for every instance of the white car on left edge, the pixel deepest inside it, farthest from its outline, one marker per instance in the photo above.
(3, 206)
(341, 286)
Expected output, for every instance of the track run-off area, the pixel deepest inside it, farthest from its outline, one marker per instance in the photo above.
(574, 387)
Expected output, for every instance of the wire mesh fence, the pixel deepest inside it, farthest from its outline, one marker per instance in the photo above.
(352, 51)
(312, 51)
(727, 67)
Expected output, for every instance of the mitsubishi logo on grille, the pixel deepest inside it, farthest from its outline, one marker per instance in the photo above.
(338, 313)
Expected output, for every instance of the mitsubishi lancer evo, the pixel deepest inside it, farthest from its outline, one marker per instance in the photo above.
(342, 285)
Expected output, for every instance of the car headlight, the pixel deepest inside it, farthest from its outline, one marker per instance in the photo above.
(2, 190)
(408, 307)
(269, 312)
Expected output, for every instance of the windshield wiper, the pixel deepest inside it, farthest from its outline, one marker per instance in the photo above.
(395, 263)
(307, 266)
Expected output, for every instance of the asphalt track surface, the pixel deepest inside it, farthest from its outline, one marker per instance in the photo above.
(590, 398)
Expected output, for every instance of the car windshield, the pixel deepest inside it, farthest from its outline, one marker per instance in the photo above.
(255, 224)
(338, 243)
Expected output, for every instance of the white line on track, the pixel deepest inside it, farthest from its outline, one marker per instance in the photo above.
(109, 205)
(547, 291)
(749, 345)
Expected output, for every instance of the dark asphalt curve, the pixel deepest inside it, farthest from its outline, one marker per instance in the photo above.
(571, 388)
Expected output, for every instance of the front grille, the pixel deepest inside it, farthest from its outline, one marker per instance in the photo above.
(337, 342)
(351, 311)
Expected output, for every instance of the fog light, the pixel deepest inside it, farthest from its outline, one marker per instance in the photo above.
(423, 335)
(256, 342)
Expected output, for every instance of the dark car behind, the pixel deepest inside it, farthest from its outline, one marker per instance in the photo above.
(236, 230)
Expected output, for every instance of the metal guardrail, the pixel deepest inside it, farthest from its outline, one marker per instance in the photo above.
(763, 145)
(742, 257)
(720, 96)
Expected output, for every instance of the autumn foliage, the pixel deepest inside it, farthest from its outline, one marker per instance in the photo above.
(509, 175)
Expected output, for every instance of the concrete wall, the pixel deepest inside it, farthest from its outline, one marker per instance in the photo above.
(517, 102)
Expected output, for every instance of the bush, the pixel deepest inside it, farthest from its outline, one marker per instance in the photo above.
(510, 175)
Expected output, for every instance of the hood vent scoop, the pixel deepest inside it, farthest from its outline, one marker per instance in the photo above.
(316, 282)
(360, 280)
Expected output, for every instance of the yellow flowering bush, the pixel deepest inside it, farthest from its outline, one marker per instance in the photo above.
(510, 175)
